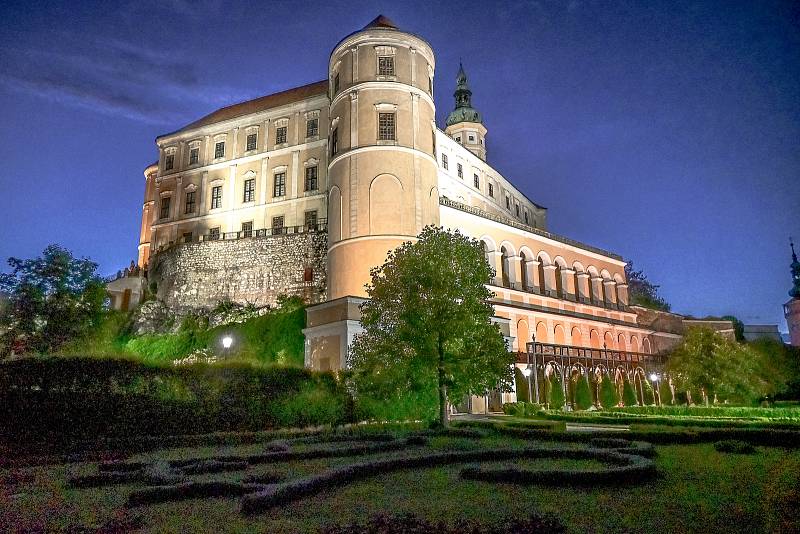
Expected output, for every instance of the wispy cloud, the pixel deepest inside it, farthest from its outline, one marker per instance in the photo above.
(114, 77)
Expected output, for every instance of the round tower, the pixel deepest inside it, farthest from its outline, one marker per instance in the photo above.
(382, 167)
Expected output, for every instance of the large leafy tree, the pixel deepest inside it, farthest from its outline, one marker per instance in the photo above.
(642, 292)
(427, 324)
(50, 300)
(732, 371)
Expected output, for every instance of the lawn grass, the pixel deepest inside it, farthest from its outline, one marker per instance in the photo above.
(697, 489)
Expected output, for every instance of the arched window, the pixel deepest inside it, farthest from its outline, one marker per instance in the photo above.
(523, 274)
(504, 266)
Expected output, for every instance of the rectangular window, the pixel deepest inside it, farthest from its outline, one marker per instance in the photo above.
(526, 217)
(280, 135)
(216, 197)
(219, 150)
(336, 84)
(311, 220)
(385, 66)
(517, 207)
(249, 190)
(247, 229)
(508, 202)
(169, 161)
(279, 187)
(460, 170)
(213, 233)
(386, 126)
(444, 161)
(430, 86)
(312, 127)
(311, 178)
(277, 225)
(252, 139)
(334, 141)
(491, 190)
(187, 237)
(194, 155)
(189, 202)
(165, 207)
(476, 181)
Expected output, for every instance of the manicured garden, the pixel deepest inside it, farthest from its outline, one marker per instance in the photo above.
(475, 475)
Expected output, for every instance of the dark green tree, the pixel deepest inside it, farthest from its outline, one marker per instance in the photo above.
(51, 300)
(608, 393)
(427, 323)
(522, 385)
(642, 292)
(556, 393)
(628, 394)
(583, 395)
(708, 361)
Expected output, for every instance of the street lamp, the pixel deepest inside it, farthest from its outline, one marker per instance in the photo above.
(227, 342)
(527, 373)
(654, 378)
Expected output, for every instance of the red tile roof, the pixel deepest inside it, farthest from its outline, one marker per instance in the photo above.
(259, 104)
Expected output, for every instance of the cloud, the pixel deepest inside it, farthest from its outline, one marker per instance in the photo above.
(115, 78)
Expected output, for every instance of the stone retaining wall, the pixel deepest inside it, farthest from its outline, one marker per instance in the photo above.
(252, 270)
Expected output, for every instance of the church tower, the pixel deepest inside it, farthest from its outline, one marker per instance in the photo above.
(464, 123)
(791, 309)
(382, 167)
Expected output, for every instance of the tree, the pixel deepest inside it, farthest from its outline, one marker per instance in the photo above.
(708, 362)
(628, 394)
(50, 300)
(427, 324)
(642, 292)
(608, 392)
(556, 397)
(583, 395)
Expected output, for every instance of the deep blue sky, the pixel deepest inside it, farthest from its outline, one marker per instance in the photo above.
(667, 132)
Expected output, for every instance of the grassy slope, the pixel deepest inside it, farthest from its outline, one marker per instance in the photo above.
(276, 337)
(699, 489)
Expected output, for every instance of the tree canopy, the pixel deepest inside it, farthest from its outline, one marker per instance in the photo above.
(734, 372)
(642, 292)
(51, 300)
(427, 325)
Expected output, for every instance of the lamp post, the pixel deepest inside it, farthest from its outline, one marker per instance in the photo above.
(527, 373)
(227, 342)
(654, 379)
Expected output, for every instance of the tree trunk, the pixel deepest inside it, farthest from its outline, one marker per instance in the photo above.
(442, 386)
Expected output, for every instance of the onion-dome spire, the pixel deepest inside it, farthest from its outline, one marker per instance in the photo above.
(464, 112)
(795, 266)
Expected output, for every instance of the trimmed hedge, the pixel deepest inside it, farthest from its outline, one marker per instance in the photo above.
(734, 446)
(62, 400)
(280, 494)
(189, 490)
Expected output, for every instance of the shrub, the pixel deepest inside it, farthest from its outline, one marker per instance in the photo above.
(628, 394)
(665, 392)
(556, 393)
(522, 409)
(734, 446)
(649, 395)
(608, 393)
(522, 386)
(583, 396)
(188, 490)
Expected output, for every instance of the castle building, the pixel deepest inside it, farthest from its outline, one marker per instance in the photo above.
(791, 310)
(306, 190)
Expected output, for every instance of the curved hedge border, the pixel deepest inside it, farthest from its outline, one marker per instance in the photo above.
(188, 490)
(278, 494)
(627, 468)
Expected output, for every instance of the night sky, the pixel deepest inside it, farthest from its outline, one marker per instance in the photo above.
(667, 133)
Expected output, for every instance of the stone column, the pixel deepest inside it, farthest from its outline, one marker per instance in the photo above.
(622, 294)
(568, 283)
(597, 291)
(496, 261)
(235, 144)
(515, 272)
(611, 293)
(534, 271)
(583, 286)
(550, 278)
(295, 171)
(263, 181)
(203, 185)
(354, 50)
(206, 158)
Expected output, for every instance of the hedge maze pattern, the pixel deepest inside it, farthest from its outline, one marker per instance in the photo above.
(623, 461)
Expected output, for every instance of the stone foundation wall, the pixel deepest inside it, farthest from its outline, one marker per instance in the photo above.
(253, 270)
